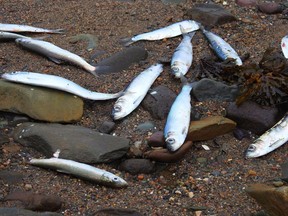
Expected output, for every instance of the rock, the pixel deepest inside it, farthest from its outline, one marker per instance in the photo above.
(253, 117)
(24, 212)
(246, 3)
(146, 126)
(173, 1)
(163, 155)
(117, 212)
(159, 101)
(137, 166)
(107, 127)
(273, 200)
(36, 102)
(36, 202)
(75, 142)
(240, 133)
(207, 89)
(270, 7)
(157, 140)
(137, 149)
(284, 168)
(209, 128)
(11, 177)
(3, 138)
(210, 14)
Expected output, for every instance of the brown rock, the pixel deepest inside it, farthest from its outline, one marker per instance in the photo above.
(209, 128)
(157, 140)
(270, 8)
(274, 200)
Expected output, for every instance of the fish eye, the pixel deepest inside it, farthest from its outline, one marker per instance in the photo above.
(170, 140)
(115, 179)
(252, 148)
(117, 108)
(175, 69)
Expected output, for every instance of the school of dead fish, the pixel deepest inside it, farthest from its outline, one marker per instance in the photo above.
(177, 123)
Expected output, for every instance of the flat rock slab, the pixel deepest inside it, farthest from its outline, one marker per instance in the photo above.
(210, 14)
(75, 142)
(24, 212)
(209, 128)
(274, 200)
(40, 103)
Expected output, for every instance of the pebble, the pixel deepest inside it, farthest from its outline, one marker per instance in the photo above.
(278, 183)
(191, 194)
(28, 187)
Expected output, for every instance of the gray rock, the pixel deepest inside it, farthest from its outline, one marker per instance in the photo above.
(210, 14)
(284, 168)
(146, 126)
(36, 102)
(207, 89)
(107, 127)
(10, 177)
(159, 101)
(24, 212)
(137, 166)
(75, 142)
(253, 117)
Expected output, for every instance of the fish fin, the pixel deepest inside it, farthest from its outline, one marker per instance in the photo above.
(57, 153)
(58, 31)
(126, 41)
(55, 60)
(276, 143)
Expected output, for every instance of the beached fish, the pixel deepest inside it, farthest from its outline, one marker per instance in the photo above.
(178, 120)
(136, 91)
(165, 32)
(56, 82)
(26, 28)
(81, 170)
(270, 140)
(10, 36)
(223, 50)
(183, 56)
(55, 53)
(284, 46)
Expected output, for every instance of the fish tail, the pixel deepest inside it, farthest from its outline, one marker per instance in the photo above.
(185, 81)
(58, 31)
(126, 41)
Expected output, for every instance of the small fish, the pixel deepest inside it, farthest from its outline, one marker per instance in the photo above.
(136, 91)
(56, 82)
(183, 55)
(26, 28)
(10, 36)
(270, 140)
(284, 46)
(166, 32)
(178, 120)
(81, 170)
(221, 47)
(55, 53)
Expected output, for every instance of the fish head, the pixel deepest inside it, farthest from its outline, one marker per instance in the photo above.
(121, 108)
(173, 142)
(114, 181)
(255, 149)
(178, 69)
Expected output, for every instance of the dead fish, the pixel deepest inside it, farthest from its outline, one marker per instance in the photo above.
(172, 30)
(56, 82)
(26, 28)
(222, 49)
(122, 60)
(136, 91)
(270, 140)
(284, 46)
(81, 170)
(55, 53)
(10, 36)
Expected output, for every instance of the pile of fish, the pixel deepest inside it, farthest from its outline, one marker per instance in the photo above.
(178, 120)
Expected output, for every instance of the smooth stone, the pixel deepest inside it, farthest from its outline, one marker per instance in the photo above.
(207, 89)
(157, 139)
(246, 3)
(209, 128)
(24, 212)
(240, 133)
(146, 126)
(274, 200)
(270, 8)
(107, 127)
(210, 14)
(284, 169)
(117, 212)
(75, 142)
(36, 102)
(253, 117)
(11, 177)
(137, 166)
(159, 101)
(36, 202)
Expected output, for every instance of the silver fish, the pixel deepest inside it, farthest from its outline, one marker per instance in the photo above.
(270, 140)
(221, 47)
(56, 82)
(178, 120)
(183, 56)
(10, 36)
(26, 28)
(284, 46)
(136, 91)
(165, 32)
(55, 53)
(81, 170)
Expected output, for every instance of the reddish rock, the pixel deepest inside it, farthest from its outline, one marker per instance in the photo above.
(270, 8)
(157, 140)
(246, 3)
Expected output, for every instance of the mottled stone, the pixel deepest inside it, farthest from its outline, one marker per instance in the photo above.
(40, 103)
(274, 200)
(75, 142)
(207, 89)
(137, 166)
(209, 128)
(210, 14)
(159, 101)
